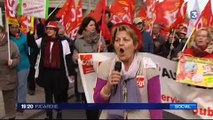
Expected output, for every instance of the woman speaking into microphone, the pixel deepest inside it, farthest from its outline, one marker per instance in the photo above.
(130, 82)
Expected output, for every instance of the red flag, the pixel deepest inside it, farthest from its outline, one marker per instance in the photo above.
(181, 16)
(150, 8)
(150, 18)
(11, 7)
(79, 18)
(205, 17)
(25, 23)
(63, 10)
(104, 29)
(68, 16)
(97, 12)
(142, 13)
(123, 11)
(79, 13)
(167, 15)
(71, 17)
(211, 23)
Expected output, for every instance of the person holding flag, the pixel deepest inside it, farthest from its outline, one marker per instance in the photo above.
(106, 26)
(8, 74)
(201, 46)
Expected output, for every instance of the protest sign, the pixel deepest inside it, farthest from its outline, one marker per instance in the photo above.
(195, 71)
(36, 8)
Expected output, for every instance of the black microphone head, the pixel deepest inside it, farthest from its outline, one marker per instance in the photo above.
(118, 66)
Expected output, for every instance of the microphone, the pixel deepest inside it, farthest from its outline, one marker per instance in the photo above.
(116, 68)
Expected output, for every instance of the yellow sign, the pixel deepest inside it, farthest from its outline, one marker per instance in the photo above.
(195, 71)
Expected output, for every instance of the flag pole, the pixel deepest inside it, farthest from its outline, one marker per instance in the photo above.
(187, 41)
(55, 8)
(99, 42)
(8, 37)
(170, 50)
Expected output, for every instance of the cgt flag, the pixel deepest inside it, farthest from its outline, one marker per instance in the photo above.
(71, 17)
(205, 17)
(11, 7)
(123, 11)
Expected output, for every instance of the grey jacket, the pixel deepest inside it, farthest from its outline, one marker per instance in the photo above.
(83, 46)
(8, 75)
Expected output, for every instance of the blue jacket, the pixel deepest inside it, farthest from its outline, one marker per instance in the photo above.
(23, 49)
(148, 45)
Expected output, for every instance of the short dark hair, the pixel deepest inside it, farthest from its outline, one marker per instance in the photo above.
(85, 23)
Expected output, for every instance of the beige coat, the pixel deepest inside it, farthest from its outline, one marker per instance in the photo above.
(8, 75)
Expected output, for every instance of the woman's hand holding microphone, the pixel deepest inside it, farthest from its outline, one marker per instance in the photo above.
(111, 85)
(113, 81)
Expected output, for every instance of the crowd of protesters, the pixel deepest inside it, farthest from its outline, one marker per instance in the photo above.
(55, 56)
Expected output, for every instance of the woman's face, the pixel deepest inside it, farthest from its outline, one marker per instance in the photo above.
(124, 47)
(171, 37)
(202, 39)
(91, 26)
(50, 32)
(14, 29)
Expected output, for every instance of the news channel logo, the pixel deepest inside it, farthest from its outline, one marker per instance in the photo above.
(194, 14)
